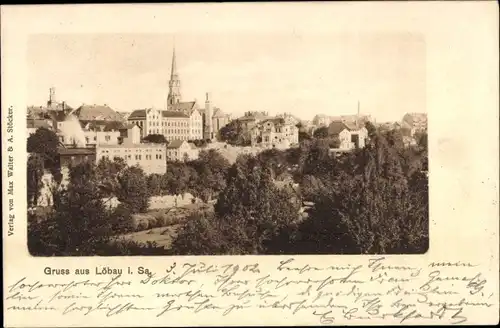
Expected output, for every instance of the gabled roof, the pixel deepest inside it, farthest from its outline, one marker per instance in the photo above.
(171, 113)
(219, 113)
(137, 114)
(185, 106)
(336, 127)
(129, 126)
(175, 144)
(97, 112)
(101, 125)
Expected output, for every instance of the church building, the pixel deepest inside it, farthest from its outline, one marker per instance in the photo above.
(180, 120)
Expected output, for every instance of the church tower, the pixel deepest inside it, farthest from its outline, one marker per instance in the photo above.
(174, 85)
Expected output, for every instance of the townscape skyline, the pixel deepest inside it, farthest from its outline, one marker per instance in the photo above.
(276, 74)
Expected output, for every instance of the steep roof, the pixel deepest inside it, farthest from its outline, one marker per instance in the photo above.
(175, 144)
(97, 112)
(101, 125)
(171, 113)
(137, 114)
(185, 106)
(219, 113)
(336, 127)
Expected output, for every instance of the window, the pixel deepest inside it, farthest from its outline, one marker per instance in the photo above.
(159, 156)
(108, 138)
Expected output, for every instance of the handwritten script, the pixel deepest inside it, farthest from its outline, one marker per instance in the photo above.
(331, 294)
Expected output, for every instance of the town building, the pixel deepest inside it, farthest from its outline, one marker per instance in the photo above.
(321, 120)
(350, 136)
(413, 123)
(181, 150)
(274, 132)
(152, 158)
(183, 124)
(251, 119)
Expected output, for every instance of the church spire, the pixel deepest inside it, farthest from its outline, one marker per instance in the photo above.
(174, 92)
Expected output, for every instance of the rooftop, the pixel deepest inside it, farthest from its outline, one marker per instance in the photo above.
(175, 144)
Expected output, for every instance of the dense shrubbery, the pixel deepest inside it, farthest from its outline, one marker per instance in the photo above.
(373, 200)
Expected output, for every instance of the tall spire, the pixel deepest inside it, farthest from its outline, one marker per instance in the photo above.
(174, 92)
(173, 72)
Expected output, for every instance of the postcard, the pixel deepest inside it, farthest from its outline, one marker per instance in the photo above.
(250, 164)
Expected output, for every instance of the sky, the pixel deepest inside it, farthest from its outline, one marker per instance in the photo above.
(303, 74)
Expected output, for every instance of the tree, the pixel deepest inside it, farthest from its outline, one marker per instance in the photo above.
(421, 138)
(154, 184)
(211, 169)
(252, 208)
(321, 133)
(82, 224)
(107, 172)
(304, 136)
(45, 143)
(155, 138)
(250, 212)
(176, 180)
(369, 206)
(233, 133)
(35, 169)
(133, 189)
(276, 159)
(372, 130)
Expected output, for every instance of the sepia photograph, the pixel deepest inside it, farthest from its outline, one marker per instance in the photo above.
(233, 144)
(250, 164)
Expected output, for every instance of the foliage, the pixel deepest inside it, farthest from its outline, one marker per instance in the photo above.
(35, 170)
(233, 133)
(81, 220)
(155, 138)
(45, 143)
(249, 213)
(200, 143)
(133, 189)
(321, 133)
(154, 184)
(107, 172)
(371, 205)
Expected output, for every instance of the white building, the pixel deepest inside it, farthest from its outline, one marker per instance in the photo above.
(180, 150)
(275, 132)
(152, 158)
(173, 124)
(350, 136)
